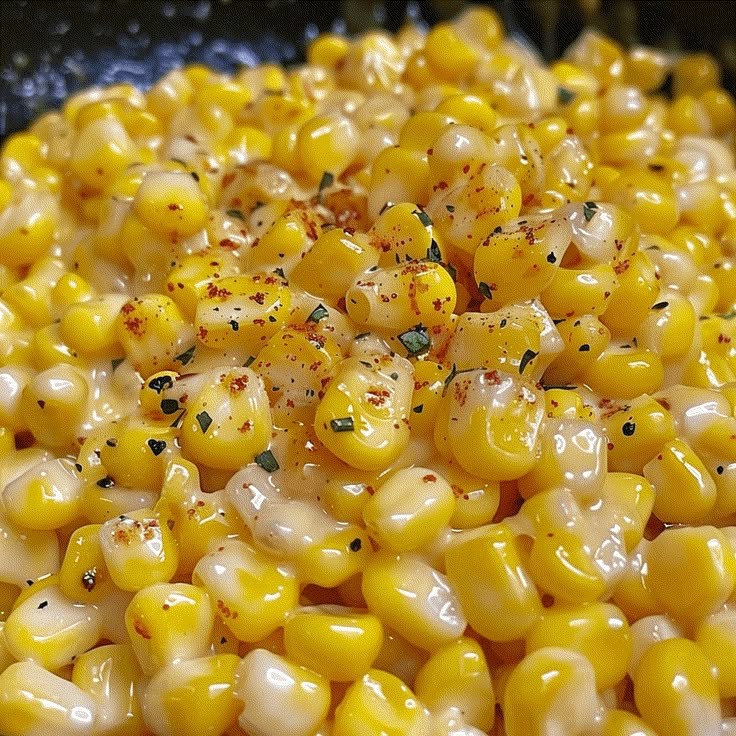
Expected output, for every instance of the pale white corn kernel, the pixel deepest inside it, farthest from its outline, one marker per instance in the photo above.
(26, 554)
(648, 630)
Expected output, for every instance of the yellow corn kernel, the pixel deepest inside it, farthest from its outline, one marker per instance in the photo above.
(584, 338)
(136, 454)
(632, 594)
(498, 597)
(252, 593)
(193, 697)
(53, 403)
(638, 289)
(636, 432)
(398, 298)
(139, 550)
(401, 233)
(377, 398)
(634, 497)
(228, 422)
(339, 644)
(26, 554)
(31, 297)
(720, 106)
(600, 632)
(469, 110)
(287, 240)
(691, 571)
(625, 372)
(327, 144)
(327, 50)
(335, 559)
(189, 277)
(71, 289)
(34, 700)
(50, 350)
(429, 378)
(243, 311)
(695, 74)
(409, 509)
(171, 204)
(457, 676)
(281, 698)
(398, 174)
(622, 723)
(648, 197)
(380, 703)
(519, 259)
(48, 496)
(716, 636)
(573, 292)
(551, 690)
(83, 575)
(685, 491)
(430, 617)
(110, 674)
(675, 690)
(169, 623)
(448, 55)
(150, 329)
(102, 150)
(50, 629)
(573, 456)
(489, 422)
(646, 68)
(334, 261)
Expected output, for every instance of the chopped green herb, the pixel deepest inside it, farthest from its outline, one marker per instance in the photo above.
(204, 420)
(186, 356)
(528, 356)
(584, 348)
(416, 341)
(449, 378)
(589, 209)
(271, 318)
(564, 95)
(279, 272)
(178, 161)
(234, 324)
(424, 218)
(551, 258)
(450, 207)
(434, 253)
(660, 305)
(195, 175)
(159, 383)
(318, 314)
(503, 323)
(250, 361)
(394, 376)
(366, 364)
(116, 362)
(628, 428)
(362, 335)
(156, 446)
(267, 461)
(344, 424)
(418, 409)
(236, 213)
(177, 421)
(563, 388)
(485, 290)
(356, 544)
(327, 180)
(169, 406)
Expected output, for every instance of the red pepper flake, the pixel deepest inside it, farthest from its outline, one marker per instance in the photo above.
(173, 206)
(239, 384)
(127, 308)
(141, 630)
(429, 478)
(216, 292)
(134, 325)
(259, 297)
(246, 426)
(202, 333)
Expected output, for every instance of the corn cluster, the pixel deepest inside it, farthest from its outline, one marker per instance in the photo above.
(393, 395)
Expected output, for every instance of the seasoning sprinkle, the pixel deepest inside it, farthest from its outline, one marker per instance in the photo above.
(528, 356)
(416, 341)
(343, 424)
(204, 420)
(267, 461)
(319, 313)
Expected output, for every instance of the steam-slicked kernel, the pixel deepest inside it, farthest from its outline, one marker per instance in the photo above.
(83, 575)
(497, 595)
(25, 554)
(35, 701)
(382, 703)
(340, 644)
(169, 623)
(139, 549)
(430, 616)
(50, 629)
(281, 698)
(252, 593)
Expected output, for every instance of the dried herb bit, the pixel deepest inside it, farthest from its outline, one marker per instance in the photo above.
(628, 429)
(366, 364)
(584, 348)
(660, 305)
(418, 409)
(485, 290)
(589, 209)
(157, 446)
(551, 258)
(178, 161)
(238, 214)
(562, 388)
(89, 579)
(267, 461)
(449, 379)
(106, 482)
(416, 341)
(394, 376)
(527, 358)
(186, 356)
(234, 324)
(362, 335)
(343, 424)
(250, 361)
(450, 207)
(424, 218)
(280, 272)
(327, 180)
(318, 314)
(204, 420)
(195, 175)
(434, 253)
(565, 96)
(159, 383)
(43, 604)
(116, 362)
(356, 544)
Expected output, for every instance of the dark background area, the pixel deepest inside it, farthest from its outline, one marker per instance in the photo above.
(51, 48)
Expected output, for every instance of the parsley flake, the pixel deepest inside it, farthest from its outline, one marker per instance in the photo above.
(238, 214)
(589, 209)
(528, 356)
(204, 420)
(267, 461)
(416, 341)
(318, 314)
(485, 290)
(343, 424)
(186, 356)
